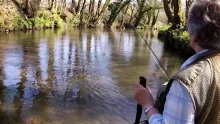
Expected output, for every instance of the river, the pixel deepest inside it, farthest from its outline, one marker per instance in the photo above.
(77, 76)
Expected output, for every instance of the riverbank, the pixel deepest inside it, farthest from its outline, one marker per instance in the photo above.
(177, 39)
(34, 14)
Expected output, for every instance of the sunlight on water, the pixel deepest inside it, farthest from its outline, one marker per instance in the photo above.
(76, 76)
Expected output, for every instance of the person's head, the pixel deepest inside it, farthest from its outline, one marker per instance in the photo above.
(204, 24)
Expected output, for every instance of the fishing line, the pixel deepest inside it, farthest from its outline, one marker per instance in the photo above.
(181, 48)
(159, 64)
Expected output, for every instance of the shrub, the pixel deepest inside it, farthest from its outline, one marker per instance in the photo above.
(58, 22)
(175, 34)
(164, 28)
(75, 21)
(184, 36)
(1, 23)
(21, 23)
(180, 36)
(46, 19)
(43, 19)
(38, 23)
(44, 14)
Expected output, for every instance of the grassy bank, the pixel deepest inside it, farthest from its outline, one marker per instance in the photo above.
(177, 39)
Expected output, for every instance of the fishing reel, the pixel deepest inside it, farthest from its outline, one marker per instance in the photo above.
(143, 82)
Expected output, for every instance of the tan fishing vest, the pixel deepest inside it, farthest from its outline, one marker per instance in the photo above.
(202, 80)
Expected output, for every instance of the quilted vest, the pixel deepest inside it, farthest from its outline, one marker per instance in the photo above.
(202, 81)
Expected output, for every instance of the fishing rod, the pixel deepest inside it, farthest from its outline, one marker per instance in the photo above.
(143, 80)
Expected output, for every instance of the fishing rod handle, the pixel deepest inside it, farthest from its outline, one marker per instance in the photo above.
(143, 81)
(139, 108)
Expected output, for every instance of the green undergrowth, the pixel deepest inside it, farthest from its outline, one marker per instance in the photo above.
(74, 21)
(180, 35)
(44, 19)
(11, 19)
(164, 28)
(178, 39)
(8, 13)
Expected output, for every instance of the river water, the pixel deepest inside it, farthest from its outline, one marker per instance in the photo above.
(77, 76)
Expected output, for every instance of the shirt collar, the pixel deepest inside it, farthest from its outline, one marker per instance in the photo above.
(192, 59)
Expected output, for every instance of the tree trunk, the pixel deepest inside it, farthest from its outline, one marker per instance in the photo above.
(56, 5)
(73, 6)
(143, 7)
(31, 7)
(155, 16)
(178, 14)
(63, 5)
(49, 3)
(188, 4)
(132, 12)
(148, 19)
(168, 10)
(138, 19)
(121, 25)
(81, 14)
(91, 7)
(115, 12)
(98, 8)
(52, 5)
(83, 6)
(27, 11)
(78, 6)
(93, 21)
(105, 6)
(140, 16)
(19, 8)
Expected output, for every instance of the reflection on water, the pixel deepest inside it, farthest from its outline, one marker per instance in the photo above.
(76, 76)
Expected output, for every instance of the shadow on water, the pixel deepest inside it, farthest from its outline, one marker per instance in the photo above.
(77, 75)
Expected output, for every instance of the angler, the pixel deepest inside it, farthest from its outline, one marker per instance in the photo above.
(192, 94)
